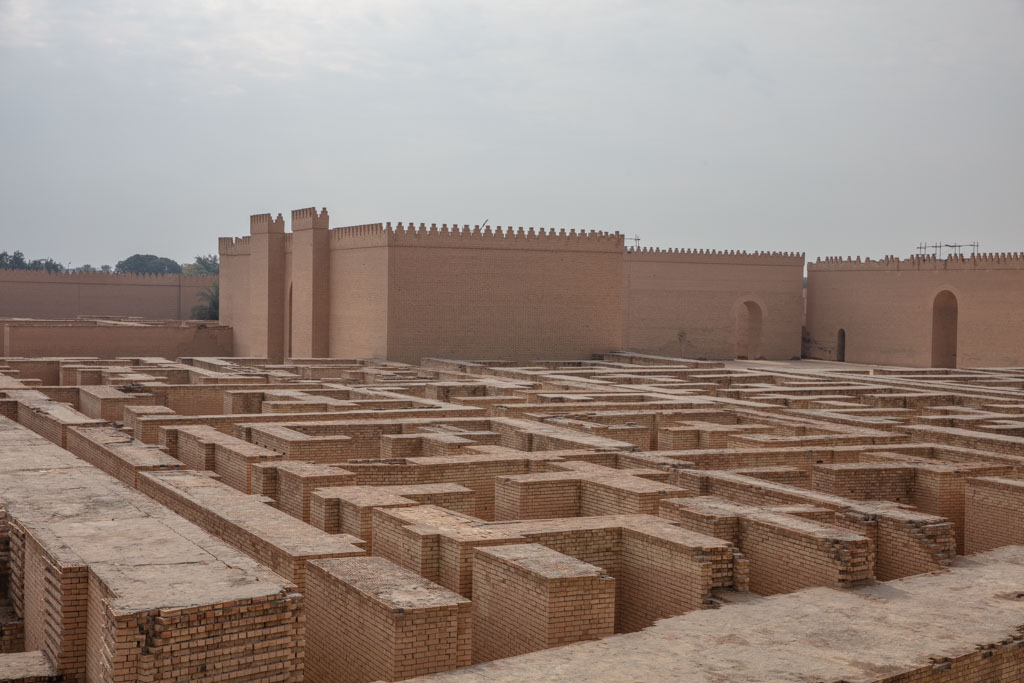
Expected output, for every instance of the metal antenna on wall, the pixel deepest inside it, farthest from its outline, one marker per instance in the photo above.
(956, 248)
(484, 224)
(635, 239)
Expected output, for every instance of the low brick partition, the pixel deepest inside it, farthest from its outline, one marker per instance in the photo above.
(951, 436)
(108, 403)
(301, 479)
(790, 476)
(786, 553)
(696, 434)
(349, 509)
(134, 415)
(586, 491)
(340, 437)
(269, 536)
(296, 482)
(295, 445)
(527, 597)
(47, 418)
(994, 513)
(932, 487)
(905, 541)
(660, 569)
(867, 481)
(204, 448)
(118, 455)
(111, 585)
(745, 458)
(147, 427)
(434, 445)
(368, 619)
(476, 471)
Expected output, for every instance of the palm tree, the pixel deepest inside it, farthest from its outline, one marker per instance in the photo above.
(209, 309)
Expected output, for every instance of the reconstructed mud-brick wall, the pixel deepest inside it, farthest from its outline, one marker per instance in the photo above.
(406, 292)
(527, 597)
(698, 304)
(370, 620)
(43, 295)
(886, 309)
(73, 338)
(994, 512)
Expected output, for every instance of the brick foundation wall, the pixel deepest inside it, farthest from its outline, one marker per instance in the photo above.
(168, 341)
(117, 455)
(369, 620)
(272, 538)
(994, 513)
(527, 597)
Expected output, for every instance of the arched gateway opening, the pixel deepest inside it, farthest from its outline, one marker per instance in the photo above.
(748, 331)
(944, 330)
(841, 345)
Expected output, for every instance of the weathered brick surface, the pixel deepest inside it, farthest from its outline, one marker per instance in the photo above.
(349, 510)
(96, 575)
(785, 553)
(994, 513)
(686, 483)
(527, 597)
(370, 620)
(117, 454)
(267, 535)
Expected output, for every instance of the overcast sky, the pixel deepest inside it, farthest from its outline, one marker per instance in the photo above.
(832, 127)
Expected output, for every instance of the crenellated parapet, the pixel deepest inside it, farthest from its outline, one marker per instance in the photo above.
(101, 278)
(357, 236)
(991, 261)
(714, 256)
(233, 246)
(411, 234)
(473, 237)
(309, 219)
(263, 223)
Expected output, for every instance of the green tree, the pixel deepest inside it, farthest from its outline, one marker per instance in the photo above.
(204, 265)
(17, 261)
(209, 309)
(147, 264)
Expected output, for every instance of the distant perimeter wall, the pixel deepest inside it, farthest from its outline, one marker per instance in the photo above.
(112, 339)
(43, 295)
(716, 305)
(961, 311)
(406, 292)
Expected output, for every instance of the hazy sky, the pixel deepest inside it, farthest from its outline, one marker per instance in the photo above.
(834, 127)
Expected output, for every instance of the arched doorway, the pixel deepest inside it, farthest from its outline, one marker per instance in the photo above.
(841, 345)
(944, 330)
(748, 331)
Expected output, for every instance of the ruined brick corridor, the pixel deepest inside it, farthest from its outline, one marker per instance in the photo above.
(651, 518)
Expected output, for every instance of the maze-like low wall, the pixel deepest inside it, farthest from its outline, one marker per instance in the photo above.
(381, 521)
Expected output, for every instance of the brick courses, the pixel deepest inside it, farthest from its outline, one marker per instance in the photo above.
(116, 588)
(791, 478)
(994, 513)
(527, 597)
(371, 620)
(269, 536)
